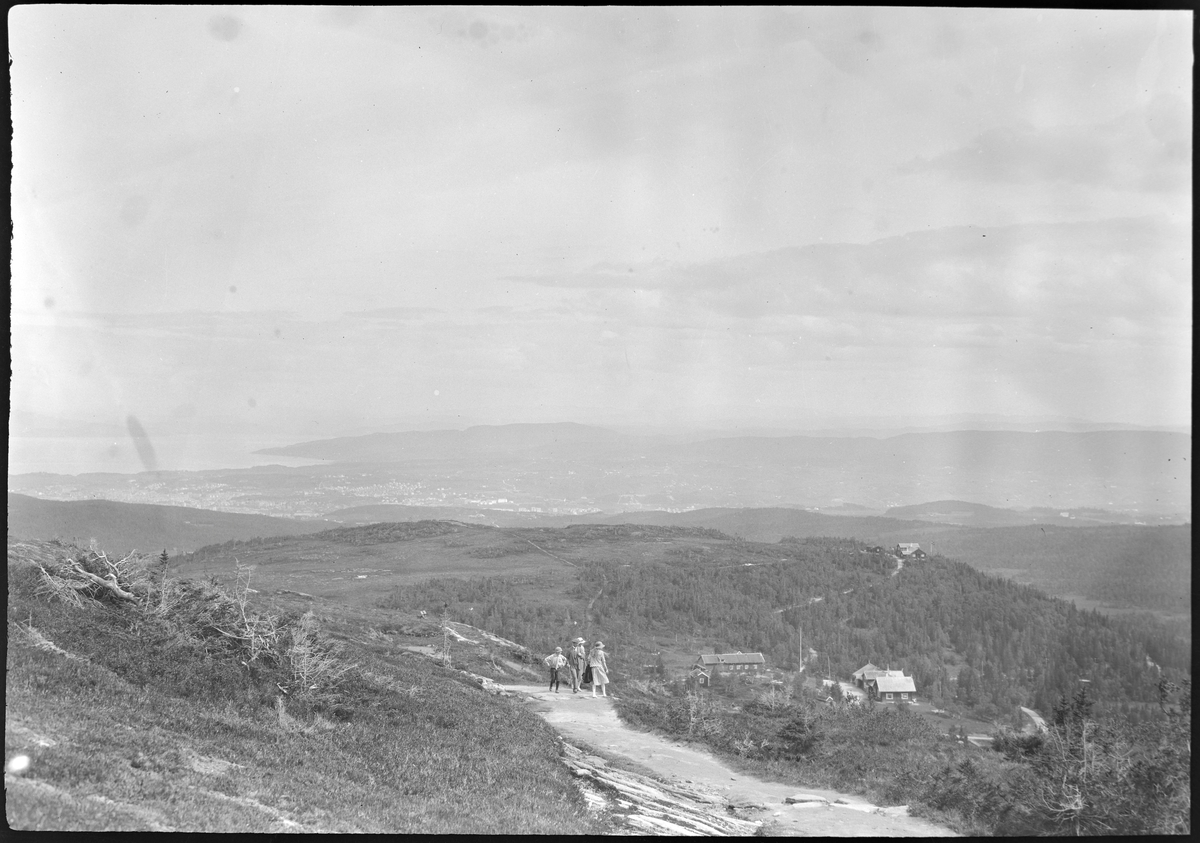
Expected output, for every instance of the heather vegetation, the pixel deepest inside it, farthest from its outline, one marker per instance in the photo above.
(146, 701)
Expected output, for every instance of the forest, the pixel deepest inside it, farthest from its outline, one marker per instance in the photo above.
(985, 643)
(1148, 567)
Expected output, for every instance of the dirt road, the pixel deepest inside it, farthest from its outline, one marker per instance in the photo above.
(593, 721)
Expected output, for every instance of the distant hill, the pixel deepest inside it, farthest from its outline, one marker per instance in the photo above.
(1114, 566)
(771, 524)
(960, 513)
(121, 527)
(376, 513)
(966, 514)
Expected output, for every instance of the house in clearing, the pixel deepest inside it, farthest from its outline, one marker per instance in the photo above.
(893, 687)
(885, 685)
(736, 664)
(909, 549)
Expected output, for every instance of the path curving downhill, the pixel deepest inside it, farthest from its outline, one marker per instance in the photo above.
(594, 721)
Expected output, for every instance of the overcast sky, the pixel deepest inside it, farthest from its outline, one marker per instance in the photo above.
(328, 220)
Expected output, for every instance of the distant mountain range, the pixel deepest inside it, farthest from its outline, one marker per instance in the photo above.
(1118, 469)
(150, 528)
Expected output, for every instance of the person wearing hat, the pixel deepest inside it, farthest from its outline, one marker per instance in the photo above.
(599, 666)
(577, 661)
(555, 661)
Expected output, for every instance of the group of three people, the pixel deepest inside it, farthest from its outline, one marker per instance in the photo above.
(583, 667)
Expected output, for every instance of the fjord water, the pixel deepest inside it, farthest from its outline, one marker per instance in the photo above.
(119, 454)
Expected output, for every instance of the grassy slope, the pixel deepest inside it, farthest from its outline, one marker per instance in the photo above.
(341, 564)
(131, 732)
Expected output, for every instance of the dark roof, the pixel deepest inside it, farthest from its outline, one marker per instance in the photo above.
(731, 658)
(862, 671)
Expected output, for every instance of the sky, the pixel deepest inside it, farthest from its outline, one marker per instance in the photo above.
(303, 221)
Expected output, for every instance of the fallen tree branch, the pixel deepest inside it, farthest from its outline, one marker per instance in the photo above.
(110, 584)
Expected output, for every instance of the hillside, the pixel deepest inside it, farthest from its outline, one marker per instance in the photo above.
(647, 589)
(1118, 567)
(1124, 567)
(770, 524)
(187, 707)
(122, 527)
(966, 514)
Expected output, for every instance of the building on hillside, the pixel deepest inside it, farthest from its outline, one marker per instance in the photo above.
(885, 685)
(735, 663)
(908, 549)
(859, 676)
(702, 676)
(893, 686)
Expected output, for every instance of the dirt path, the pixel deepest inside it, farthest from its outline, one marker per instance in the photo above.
(594, 721)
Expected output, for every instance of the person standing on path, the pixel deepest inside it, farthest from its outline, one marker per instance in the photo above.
(577, 661)
(555, 661)
(599, 666)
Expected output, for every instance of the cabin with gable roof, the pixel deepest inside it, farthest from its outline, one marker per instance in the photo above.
(731, 664)
(885, 685)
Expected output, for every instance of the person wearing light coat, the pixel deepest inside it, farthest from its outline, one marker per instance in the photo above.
(599, 665)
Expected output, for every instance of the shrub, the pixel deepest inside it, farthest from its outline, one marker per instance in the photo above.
(800, 733)
(316, 668)
(1016, 746)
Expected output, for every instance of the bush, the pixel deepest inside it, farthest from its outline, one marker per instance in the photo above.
(315, 666)
(983, 795)
(1106, 777)
(800, 734)
(1016, 746)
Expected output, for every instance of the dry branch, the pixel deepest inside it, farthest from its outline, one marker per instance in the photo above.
(110, 583)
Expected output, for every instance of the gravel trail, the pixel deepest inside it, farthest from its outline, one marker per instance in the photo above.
(594, 721)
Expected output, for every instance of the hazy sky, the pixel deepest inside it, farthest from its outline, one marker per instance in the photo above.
(326, 220)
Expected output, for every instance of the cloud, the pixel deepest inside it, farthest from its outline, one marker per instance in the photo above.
(399, 314)
(1138, 267)
(1146, 149)
(1014, 301)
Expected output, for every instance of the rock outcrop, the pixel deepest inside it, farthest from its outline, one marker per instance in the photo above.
(650, 806)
